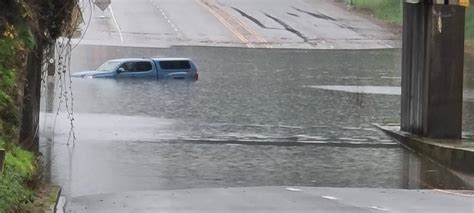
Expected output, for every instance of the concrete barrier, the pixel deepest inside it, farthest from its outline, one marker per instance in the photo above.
(455, 154)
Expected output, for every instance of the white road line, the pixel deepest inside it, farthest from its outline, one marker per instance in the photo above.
(167, 19)
(378, 208)
(116, 24)
(294, 189)
(175, 29)
(330, 197)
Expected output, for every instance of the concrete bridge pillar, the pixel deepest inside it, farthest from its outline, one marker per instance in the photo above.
(432, 67)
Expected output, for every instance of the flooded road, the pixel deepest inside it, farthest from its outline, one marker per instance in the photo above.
(244, 92)
(256, 117)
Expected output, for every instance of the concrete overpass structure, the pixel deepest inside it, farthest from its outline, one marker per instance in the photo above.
(432, 67)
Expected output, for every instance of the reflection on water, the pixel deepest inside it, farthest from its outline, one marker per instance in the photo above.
(420, 173)
(250, 120)
(382, 90)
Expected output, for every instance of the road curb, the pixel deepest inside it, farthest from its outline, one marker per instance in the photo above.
(47, 200)
(451, 153)
(55, 194)
(60, 205)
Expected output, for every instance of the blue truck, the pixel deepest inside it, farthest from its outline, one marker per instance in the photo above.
(154, 68)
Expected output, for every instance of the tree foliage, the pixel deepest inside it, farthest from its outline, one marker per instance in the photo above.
(47, 19)
(26, 26)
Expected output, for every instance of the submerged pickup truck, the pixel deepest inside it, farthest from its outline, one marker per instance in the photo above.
(154, 68)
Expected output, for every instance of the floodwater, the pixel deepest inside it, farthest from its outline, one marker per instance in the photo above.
(256, 117)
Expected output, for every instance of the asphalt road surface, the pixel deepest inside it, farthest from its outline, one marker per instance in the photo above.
(278, 199)
(275, 106)
(312, 24)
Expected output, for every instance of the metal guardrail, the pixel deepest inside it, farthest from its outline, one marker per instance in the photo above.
(2, 159)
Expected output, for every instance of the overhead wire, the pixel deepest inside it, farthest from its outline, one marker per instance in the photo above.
(64, 80)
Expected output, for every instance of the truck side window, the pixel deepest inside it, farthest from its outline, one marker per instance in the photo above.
(142, 66)
(128, 66)
(175, 65)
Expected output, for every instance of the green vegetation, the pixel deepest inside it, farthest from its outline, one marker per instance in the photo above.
(26, 26)
(13, 44)
(470, 27)
(387, 10)
(19, 164)
(20, 167)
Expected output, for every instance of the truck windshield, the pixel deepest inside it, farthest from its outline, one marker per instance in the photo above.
(108, 66)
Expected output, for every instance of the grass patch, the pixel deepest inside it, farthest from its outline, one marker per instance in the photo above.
(46, 197)
(20, 167)
(470, 27)
(389, 11)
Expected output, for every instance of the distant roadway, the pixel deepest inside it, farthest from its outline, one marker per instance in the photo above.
(307, 24)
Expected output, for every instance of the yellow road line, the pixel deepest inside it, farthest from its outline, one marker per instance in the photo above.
(453, 193)
(254, 33)
(225, 23)
(249, 29)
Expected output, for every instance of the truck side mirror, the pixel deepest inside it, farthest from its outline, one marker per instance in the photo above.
(120, 70)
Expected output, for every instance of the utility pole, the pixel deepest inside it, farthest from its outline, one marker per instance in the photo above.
(432, 67)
